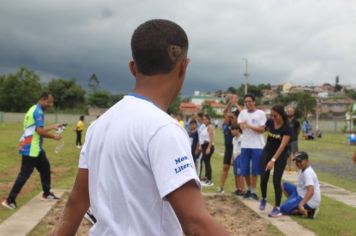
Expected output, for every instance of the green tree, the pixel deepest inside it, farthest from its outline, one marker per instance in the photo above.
(254, 89)
(101, 99)
(67, 93)
(232, 90)
(207, 109)
(305, 102)
(338, 87)
(93, 84)
(116, 97)
(20, 90)
(174, 107)
(351, 93)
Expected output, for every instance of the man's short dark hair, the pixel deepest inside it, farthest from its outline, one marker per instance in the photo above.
(193, 122)
(236, 126)
(45, 95)
(250, 95)
(157, 45)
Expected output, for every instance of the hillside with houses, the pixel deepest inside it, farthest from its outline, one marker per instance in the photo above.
(324, 101)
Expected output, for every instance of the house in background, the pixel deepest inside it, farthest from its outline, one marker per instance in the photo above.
(199, 98)
(217, 107)
(335, 106)
(188, 108)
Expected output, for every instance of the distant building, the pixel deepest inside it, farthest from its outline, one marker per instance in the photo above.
(199, 98)
(217, 107)
(335, 106)
(188, 108)
(268, 95)
(350, 118)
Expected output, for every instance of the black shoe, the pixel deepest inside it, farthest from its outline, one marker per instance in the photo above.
(253, 196)
(9, 204)
(312, 213)
(239, 192)
(49, 196)
(247, 194)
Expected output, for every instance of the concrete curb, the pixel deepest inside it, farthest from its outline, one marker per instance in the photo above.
(28, 216)
(285, 224)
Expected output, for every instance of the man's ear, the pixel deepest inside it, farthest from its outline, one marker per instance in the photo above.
(183, 67)
(133, 69)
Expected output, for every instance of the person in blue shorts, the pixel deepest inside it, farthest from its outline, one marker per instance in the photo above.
(252, 122)
(236, 160)
(303, 199)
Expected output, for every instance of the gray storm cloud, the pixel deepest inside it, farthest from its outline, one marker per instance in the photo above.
(306, 41)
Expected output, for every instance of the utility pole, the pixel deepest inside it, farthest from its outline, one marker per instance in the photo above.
(246, 74)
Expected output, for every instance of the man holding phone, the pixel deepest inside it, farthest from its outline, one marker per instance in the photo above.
(31, 150)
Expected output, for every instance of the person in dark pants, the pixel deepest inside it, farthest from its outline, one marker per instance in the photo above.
(194, 139)
(295, 125)
(226, 128)
(33, 155)
(79, 130)
(274, 156)
(207, 148)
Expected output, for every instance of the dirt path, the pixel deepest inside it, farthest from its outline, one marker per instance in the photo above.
(228, 210)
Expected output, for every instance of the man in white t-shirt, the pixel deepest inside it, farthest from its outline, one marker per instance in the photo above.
(303, 199)
(136, 167)
(252, 122)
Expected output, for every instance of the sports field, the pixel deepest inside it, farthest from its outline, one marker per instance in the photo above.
(330, 156)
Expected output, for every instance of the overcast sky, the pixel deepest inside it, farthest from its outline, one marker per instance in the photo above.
(303, 42)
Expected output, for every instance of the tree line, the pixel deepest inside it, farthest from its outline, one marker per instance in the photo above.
(20, 90)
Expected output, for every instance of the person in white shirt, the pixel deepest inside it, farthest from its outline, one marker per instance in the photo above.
(236, 159)
(136, 167)
(303, 199)
(206, 140)
(252, 122)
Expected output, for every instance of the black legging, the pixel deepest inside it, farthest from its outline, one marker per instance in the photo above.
(79, 138)
(277, 174)
(28, 164)
(206, 158)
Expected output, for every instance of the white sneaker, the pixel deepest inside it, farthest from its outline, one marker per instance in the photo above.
(220, 190)
(208, 183)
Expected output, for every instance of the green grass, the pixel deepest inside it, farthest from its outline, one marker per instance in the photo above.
(328, 155)
(63, 165)
(332, 151)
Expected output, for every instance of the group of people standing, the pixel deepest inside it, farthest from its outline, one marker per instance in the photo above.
(157, 150)
(246, 150)
(202, 136)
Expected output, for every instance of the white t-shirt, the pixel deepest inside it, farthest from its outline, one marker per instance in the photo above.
(251, 138)
(308, 178)
(136, 155)
(236, 144)
(201, 129)
(203, 134)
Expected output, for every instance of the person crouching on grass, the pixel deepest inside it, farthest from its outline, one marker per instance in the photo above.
(303, 199)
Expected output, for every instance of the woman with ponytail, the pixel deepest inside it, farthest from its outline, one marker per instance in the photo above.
(275, 156)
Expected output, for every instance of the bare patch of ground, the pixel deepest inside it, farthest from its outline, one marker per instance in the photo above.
(226, 209)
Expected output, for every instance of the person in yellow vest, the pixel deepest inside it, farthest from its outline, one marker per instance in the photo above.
(79, 130)
(32, 152)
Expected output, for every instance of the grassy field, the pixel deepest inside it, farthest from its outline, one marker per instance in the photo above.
(330, 157)
(63, 165)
